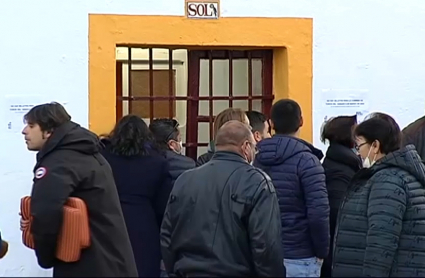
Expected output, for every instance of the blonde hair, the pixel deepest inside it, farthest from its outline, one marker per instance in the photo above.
(228, 114)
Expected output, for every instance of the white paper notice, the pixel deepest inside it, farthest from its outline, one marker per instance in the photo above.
(16, 107)
(345, 103)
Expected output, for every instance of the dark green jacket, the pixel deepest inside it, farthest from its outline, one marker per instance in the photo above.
(381, 224)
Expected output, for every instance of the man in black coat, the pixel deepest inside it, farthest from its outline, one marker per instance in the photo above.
(69, 165)
(223, 217)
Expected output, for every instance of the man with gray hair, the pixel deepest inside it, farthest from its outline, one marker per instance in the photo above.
(222, 218)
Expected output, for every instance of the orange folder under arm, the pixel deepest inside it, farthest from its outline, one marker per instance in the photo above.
(75, 232)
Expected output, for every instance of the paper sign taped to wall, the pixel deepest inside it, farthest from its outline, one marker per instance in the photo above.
(345, 102)
(16, 106)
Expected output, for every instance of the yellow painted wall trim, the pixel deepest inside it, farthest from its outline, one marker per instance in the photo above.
(291, 39)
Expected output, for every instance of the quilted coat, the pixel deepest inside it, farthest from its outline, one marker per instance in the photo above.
(381, 224)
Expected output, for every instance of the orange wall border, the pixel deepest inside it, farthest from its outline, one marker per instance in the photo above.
(291, 39)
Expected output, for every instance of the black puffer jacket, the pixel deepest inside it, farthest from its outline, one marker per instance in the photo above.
(380, 229)
(204, 158)
(340, 165)
(223, 220)
(178, 164)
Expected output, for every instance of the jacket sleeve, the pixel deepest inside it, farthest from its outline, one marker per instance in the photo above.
(53, 184)
(165, 236)
(202, 159)
(264, 228)
(385, 211)
(313, 183)
(163, 191)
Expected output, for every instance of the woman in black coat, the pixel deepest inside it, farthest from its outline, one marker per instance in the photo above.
(143, 181)
(340, 164)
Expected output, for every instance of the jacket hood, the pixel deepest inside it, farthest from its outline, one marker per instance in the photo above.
(280, 148)
(343, 155)
(407, 159)
(71, 136)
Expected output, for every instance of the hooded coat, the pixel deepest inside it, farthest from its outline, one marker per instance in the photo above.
(299, 178)
(340, 165)
(380, 228)
(70, 165)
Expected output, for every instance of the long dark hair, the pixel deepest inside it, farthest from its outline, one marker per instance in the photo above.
(131, 137)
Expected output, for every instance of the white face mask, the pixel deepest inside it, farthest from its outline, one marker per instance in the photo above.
(179, 150)
(366, 161)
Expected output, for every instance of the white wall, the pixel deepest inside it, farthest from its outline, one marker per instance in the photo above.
(375, 45)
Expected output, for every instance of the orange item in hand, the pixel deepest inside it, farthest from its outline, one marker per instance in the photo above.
(74, 235)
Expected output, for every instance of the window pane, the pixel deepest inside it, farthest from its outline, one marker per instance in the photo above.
(240, 77)
(256, 105)
(220, 77)
(220, 105)
(204, 81)
(257, 77)
(242, 104)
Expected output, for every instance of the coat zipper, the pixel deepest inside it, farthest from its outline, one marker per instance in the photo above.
(337, 226)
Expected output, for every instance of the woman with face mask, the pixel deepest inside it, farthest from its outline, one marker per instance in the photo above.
(380, 224)
(340, 165)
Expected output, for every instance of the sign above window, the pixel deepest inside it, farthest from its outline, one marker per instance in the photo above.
(203, 9)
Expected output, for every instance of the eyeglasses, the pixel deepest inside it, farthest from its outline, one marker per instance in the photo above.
(357, 147)
(170, 135)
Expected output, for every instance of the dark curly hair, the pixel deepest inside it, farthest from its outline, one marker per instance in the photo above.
(131, 137)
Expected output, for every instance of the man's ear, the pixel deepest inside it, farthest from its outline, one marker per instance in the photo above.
(377, 146)
(47, 134)
(301, 121)
(257, 136)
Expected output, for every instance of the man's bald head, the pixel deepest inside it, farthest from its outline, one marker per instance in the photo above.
(233, 133)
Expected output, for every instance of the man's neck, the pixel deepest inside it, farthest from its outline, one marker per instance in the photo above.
(295, 134)
(228, 148)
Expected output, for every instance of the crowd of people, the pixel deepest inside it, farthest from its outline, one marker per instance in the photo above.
(260, 202)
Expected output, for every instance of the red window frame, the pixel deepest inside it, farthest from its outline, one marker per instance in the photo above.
(193, 97)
